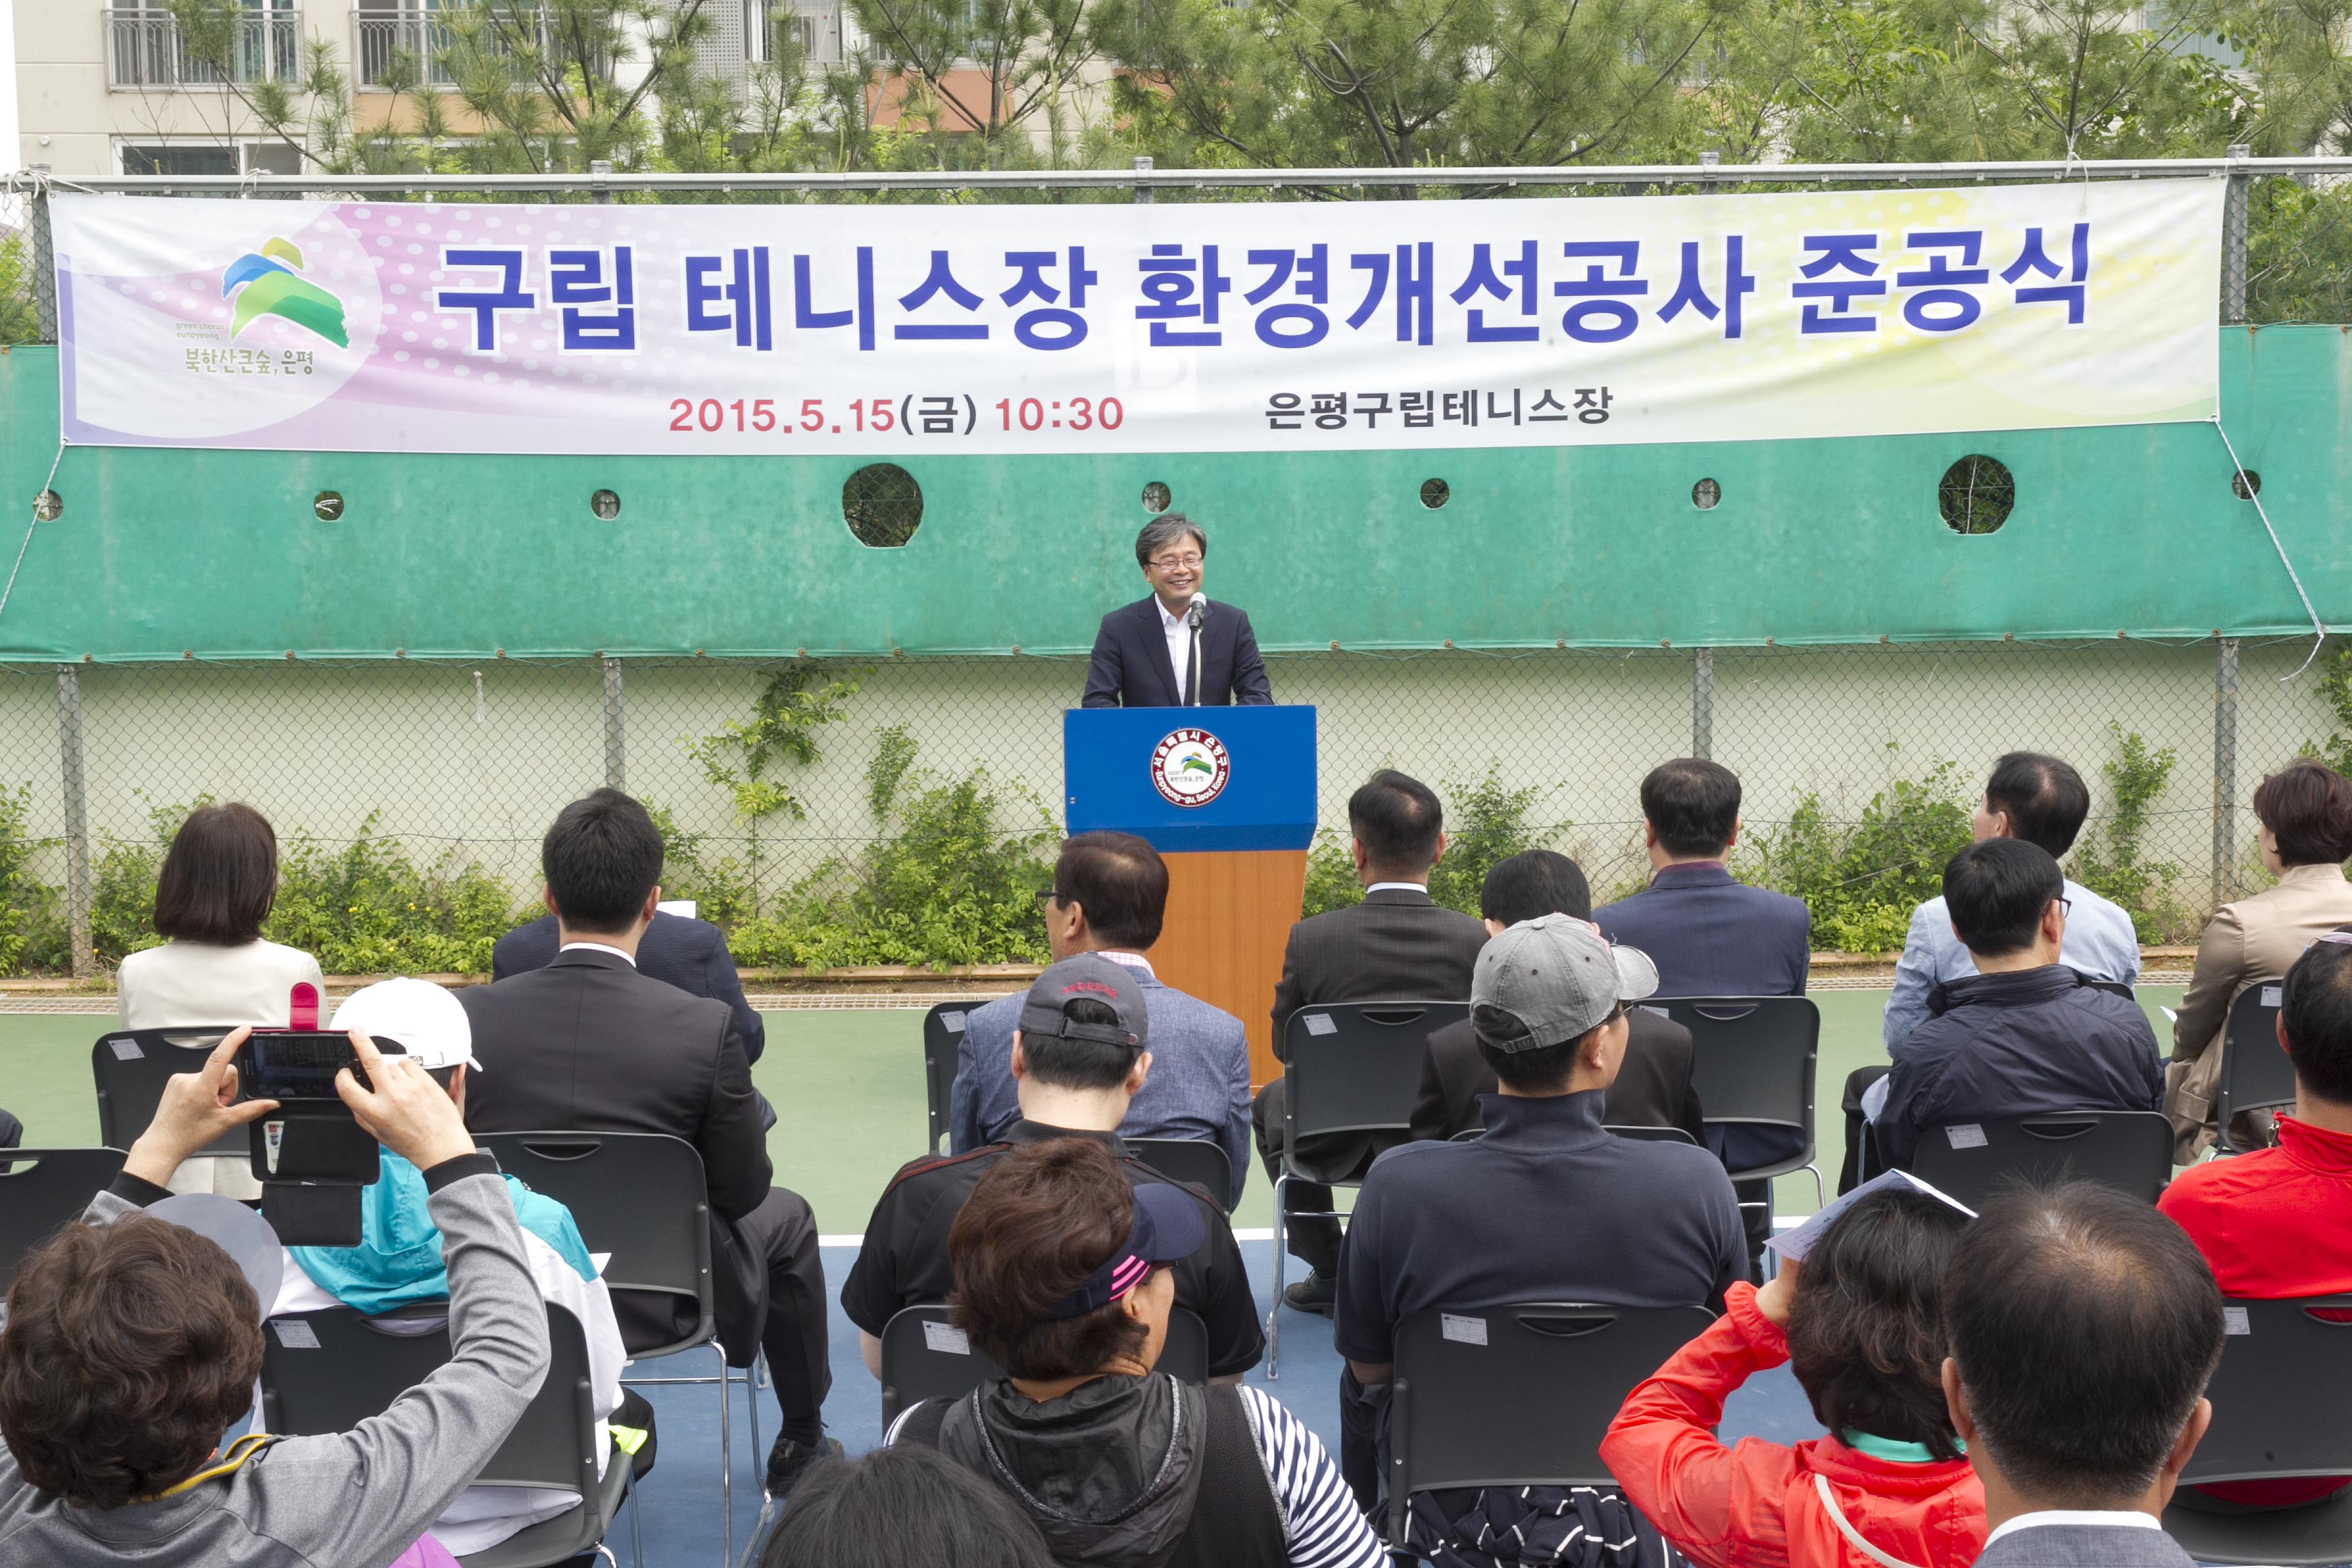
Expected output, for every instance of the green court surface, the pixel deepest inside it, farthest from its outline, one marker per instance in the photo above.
(847, 1087)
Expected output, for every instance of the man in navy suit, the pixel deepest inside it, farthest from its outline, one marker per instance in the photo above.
(1178, 648)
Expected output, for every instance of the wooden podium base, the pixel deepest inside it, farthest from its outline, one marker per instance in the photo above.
(1229, 917)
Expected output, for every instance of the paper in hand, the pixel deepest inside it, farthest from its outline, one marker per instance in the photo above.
(1793, 1245)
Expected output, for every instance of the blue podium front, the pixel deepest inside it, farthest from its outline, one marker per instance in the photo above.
(1227, 795)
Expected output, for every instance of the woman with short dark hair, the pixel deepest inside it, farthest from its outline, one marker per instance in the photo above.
(1861, 1322)
(1062, 1279)
(218, 882)
(2304, 814)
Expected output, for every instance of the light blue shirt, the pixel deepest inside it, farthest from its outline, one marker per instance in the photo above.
(2099, 942)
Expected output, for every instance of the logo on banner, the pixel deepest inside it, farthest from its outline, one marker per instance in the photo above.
(268, 282)
(1189, 768)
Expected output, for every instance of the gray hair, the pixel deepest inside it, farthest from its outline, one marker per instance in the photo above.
(1167, 530)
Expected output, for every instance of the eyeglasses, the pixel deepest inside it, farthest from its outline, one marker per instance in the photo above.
(1176, 562)
(1052, 895)
(2065, 907)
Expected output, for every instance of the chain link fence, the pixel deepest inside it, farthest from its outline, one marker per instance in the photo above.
(410, 795)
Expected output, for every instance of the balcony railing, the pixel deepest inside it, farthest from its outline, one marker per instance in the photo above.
(393, 50)
(145, 49)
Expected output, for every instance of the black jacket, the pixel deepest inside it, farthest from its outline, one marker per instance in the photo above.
(690, 954)
(1130, 667)
(588, 1043)
(904, 1258)
(1996, 1045)
(1652, 1087)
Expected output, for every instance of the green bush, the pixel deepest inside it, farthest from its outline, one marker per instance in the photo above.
(33, 934)
(952, 879)
(1862, 881)
(2112, 862)
(361, 907)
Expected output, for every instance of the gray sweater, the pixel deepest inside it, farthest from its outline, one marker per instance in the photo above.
(357, 1498)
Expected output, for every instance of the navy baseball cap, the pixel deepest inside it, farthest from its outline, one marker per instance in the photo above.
(1090, 975)
(1168, 1227)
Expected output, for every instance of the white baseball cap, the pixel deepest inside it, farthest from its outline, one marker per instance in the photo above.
(425, 1017)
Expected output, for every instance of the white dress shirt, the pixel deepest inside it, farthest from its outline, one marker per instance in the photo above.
(2128, 1518)
(1179, 632)
(601, 947)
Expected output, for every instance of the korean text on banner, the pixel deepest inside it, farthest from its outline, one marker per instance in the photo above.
(1163, 328)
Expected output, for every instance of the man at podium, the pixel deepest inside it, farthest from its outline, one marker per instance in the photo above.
(1176, 648)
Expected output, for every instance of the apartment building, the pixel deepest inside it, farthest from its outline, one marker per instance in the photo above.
(107, 89)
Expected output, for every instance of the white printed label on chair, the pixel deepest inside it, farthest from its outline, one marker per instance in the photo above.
(2271, 995)
(126, 1050)
(1321, 1024)
(1467, 1331)
(2234, 1320)
(945, 1339)
(953, 1023)
(1661, 1012)
(1966, 1135)
(294, 1334)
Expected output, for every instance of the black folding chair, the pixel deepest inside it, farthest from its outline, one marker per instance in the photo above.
(2256, 1075)
(942, 1036)
(925, 1356)
(1518, 1395)
(2279, 1398)
(41, 1189)
(327, 1371)
(2130, 1150)
(2116, 987)
(641, 1197)
(1194, 1159)
(132, 1066)
(1752, 1060)
(1348, 1067)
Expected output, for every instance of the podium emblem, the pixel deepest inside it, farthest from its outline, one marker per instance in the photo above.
(1190, 767)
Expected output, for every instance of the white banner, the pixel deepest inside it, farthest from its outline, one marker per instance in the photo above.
(1114, 328)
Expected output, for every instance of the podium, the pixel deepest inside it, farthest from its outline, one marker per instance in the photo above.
(1227, 796)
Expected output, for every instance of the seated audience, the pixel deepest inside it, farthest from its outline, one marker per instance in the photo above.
(398, 1259)
(589, 1044)
(217, 884)
(1653, 1086)
(1062, 1278)
(1712, 935)
(2025, 1033)
(132, 1345)
(678, 949)
(2081, 1327)
(1080, 1057)
(902, 1506)
(2305, 813)
(1399, 944)
(1544, 1206)
(2276, 1224)
(2043, 800)
(1861, 1320)
(1110, 894)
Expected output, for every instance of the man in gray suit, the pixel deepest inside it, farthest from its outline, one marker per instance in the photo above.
(1399, 944)
(2082, 1326)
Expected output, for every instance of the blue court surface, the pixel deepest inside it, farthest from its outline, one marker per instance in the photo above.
(682, 1519)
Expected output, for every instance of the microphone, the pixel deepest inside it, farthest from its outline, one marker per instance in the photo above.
(1192, 615)
(1192, 693)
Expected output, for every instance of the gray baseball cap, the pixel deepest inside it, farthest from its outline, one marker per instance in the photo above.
(1558, 977)
(1091, 976)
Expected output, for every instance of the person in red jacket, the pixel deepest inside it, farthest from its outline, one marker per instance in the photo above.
(1892, 1487)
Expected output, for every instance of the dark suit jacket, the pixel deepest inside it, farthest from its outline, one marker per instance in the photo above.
(1712, 936)
(1653, 1088)
(1130, 667)
(1397, 945)
(2085, 1546)
(688, 953)
(589, 1044)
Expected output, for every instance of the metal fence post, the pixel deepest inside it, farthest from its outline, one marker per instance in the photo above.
(2225, 771)
(2233, 240)
(77, 812)
(1142, 191)
(45, 271)
(616, 738)
(598, 169)
(1703, 703)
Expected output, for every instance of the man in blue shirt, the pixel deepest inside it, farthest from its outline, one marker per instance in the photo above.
(1545, 1205)
(1110, 896)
